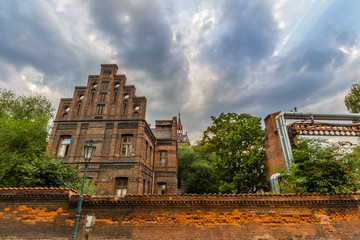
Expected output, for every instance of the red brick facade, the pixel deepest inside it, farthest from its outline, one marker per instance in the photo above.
(128, 154)
(274, 154)
(48, 213)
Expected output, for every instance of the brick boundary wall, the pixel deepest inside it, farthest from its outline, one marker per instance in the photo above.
(48, 213)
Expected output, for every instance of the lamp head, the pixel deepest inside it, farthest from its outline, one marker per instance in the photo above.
(89, 150)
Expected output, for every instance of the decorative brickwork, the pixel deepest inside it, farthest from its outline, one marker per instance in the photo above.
(44, 213)
(67, 126)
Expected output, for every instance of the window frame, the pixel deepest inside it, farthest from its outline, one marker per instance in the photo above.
(162, 159)
(64, 147)
(162, 190)
(122, 187)
(126, 146)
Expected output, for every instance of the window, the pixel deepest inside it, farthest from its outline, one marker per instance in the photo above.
(126, 146)
(99, 109)
(163, 158)
(161, 188)
(148, 190)
(102, 96)
(125, 107)
(92, 96)
(104, 85)
(144, 186)
(150, 155)
(146, 151)
(64, 146)
(115, 95)
(78, 108)
(121, 186)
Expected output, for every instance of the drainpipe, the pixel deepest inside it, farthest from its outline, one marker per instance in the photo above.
(284, 139)
(275, 184)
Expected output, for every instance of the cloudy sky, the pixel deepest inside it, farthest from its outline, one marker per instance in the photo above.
(203, 57)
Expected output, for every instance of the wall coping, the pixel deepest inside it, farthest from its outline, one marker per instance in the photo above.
(180, 199)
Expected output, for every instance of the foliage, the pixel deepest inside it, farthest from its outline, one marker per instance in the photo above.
(196, 169)
(352, 99)
(237, 141)
(90, 188)
(23, 132)
(319, 167)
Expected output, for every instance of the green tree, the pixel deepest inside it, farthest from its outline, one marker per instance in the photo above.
(90, 188)
(352, 99)
(196, 169)
(237, 141)
(319, 167)
(24, 125)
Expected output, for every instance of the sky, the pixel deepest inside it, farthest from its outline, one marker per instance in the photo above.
(200, 57)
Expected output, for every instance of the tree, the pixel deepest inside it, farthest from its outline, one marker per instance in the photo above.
(90, 188)
(237, 141)
(352, 99)
(196, 169)
(319, 167)
(24, 125)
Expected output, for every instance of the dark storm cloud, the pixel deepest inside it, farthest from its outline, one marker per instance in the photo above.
(140, 34)
(245, 36)
(33, 36)
(250, 79)
(248, 34)
(143, 40)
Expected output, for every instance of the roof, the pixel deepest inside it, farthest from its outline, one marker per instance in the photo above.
(161, 134)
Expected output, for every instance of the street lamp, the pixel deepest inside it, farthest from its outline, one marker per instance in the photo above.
(89, 150)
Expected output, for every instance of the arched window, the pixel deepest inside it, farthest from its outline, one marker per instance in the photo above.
(92, 96)
(115, 95)
(125, 107)
(78, 108)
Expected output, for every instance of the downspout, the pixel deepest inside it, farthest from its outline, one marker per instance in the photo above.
(284, 139)
(275, 183)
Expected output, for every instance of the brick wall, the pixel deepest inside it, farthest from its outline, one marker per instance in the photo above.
(46, 213)
(274, 154)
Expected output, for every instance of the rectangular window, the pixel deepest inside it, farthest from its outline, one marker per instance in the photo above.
(64, 146)
(163, 158)
(121, 186)
(161, 188)
(151, 154)
(144, 186)
(126, 146)
(146, 151)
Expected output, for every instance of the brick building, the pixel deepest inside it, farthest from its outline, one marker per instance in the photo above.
(130, 157)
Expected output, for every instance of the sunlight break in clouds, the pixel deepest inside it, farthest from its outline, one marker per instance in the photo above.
(203, 57)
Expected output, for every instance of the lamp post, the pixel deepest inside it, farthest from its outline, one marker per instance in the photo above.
(89, 150)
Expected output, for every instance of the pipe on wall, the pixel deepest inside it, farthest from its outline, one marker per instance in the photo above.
(284, 136)
(275, 183)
